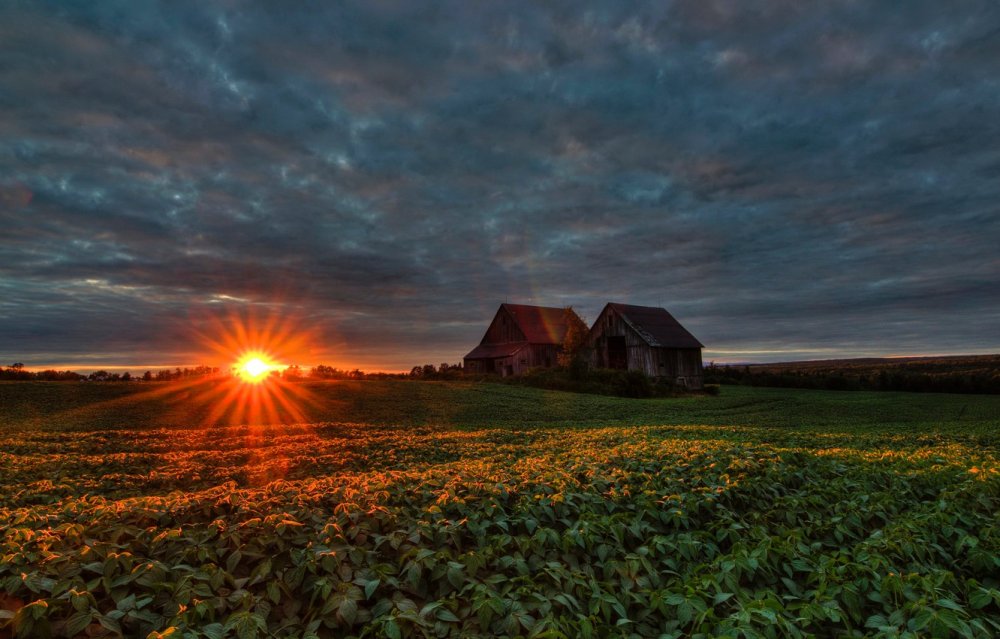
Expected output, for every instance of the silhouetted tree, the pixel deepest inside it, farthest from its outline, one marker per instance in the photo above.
(574, 347)
(327, 372)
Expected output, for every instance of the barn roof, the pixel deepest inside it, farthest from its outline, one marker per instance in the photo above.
(656, 326)
(540, 324)
(491, 351)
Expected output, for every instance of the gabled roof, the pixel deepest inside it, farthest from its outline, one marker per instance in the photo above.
(540, 324)
(491, 351)
(656, 326)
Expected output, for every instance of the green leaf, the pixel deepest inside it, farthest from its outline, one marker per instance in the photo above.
(127, 603)
(980, 598)
(444, 614)
(455, 575)
(768, 614)
(80, 602)
(36, 583)
(273, 592)
(110, 624)
(721, 597)
(77, 622)
(876, 621)
(948, 603)
(684, 613)
(954, 622)
(348, 611)
(214, 631)
(922, 618)
(391, 629)
(247, 625)
(233, 561)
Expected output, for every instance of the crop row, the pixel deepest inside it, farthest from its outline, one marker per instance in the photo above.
(603, 532)
(43, 467)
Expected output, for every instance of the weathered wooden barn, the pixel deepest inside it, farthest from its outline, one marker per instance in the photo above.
(648, 339)
(519, 337)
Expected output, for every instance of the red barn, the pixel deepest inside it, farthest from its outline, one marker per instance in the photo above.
(520, 337)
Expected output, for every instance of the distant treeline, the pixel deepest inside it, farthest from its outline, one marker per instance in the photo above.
(293, 373)
(970, 375)
(424, 372)
(443, 371)
(17, 371)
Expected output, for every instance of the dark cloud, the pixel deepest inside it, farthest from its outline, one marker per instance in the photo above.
(790, 179)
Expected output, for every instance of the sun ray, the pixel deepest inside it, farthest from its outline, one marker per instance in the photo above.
(255, 366)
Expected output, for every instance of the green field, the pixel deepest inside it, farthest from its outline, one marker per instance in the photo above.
(392, 509)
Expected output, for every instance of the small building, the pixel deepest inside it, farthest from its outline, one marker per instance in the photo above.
(519, 337)
(647, 339)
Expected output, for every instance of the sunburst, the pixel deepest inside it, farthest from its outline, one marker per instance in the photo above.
(254, 367)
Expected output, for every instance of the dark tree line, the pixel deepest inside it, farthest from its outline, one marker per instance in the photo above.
(914, 378)
(325, 372)
(293, 372)
(167, 375)
(18, 372)
(443, 371)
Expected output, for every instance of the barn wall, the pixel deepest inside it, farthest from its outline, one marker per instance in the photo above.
(534, 356)
(639, 355)
(473, 365)
(531, 356)
(680, 364)
(503, 330)
(670, 363)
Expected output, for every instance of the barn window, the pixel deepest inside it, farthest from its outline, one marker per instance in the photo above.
(523, 362)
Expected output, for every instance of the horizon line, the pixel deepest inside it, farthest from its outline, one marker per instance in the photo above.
(726, 361)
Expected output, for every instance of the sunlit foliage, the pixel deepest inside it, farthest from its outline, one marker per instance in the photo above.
(356, 529)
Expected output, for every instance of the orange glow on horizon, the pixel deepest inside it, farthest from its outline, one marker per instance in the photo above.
(259, 348)
(255, 367)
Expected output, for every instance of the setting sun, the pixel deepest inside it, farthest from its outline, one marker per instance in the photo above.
(253, 368)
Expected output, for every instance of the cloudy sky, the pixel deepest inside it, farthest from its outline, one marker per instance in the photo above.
(790, 179)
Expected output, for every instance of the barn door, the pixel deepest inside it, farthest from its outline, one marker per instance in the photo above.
(617, 352)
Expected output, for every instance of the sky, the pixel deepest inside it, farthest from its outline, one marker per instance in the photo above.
(792, 180)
